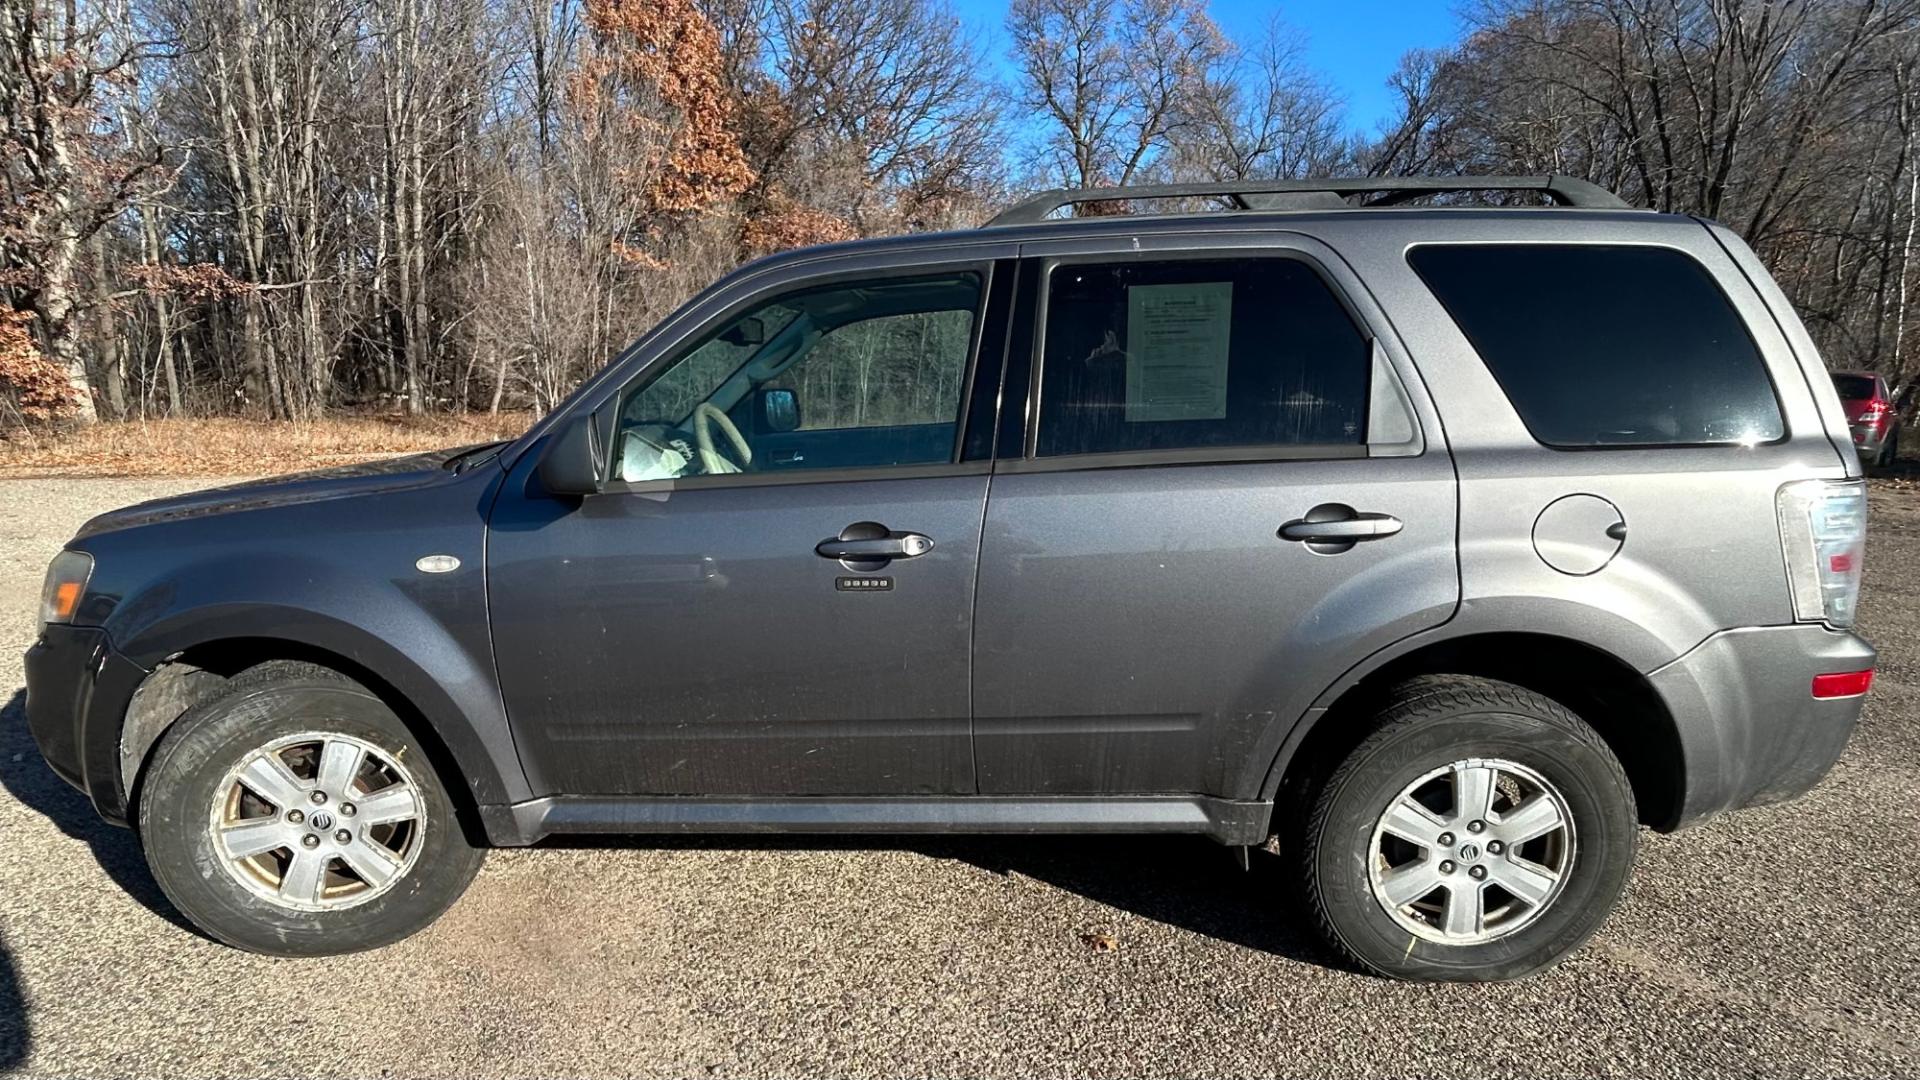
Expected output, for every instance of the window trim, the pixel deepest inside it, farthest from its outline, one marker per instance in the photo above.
(1713, 281)
(606, 413)
(704, 482)
(1370, 336)
(1186, 455)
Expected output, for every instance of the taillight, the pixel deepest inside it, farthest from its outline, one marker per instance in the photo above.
(1876, 411)
(1823, 530)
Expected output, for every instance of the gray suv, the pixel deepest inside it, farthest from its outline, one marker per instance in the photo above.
(1437, 547)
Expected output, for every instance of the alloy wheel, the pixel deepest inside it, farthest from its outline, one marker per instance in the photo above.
(318, 821)
(1472, 851)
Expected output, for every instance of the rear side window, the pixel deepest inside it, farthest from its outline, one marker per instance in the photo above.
(1601, 345)
(1196, 354)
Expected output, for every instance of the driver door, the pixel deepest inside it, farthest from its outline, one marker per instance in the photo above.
(774, 595)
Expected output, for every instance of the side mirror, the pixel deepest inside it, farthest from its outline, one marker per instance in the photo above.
(571, 464)
(779, 410)
(749, 330)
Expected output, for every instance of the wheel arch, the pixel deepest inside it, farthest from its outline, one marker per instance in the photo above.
(1606, 692)
(189, 673)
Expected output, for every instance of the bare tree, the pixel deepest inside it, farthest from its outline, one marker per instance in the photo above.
(874, 103)
(1262, 113)
(67, 163)
(1117, 81)
(282, 207)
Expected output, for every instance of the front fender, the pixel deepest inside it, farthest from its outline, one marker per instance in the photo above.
(337, 577)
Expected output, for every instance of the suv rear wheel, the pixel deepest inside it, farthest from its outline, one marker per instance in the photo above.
(296, 815)
(1480, 832)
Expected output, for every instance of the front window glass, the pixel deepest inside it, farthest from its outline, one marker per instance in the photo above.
(846, 376)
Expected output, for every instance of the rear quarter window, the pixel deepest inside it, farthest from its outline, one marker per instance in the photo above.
(1607, 345)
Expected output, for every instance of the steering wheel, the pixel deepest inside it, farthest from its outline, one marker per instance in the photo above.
(705, 416)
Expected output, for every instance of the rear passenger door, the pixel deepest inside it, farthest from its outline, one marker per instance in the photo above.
(1217, 486)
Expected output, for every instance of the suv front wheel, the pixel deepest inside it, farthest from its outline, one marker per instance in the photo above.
(296, 815)
(1481, 831)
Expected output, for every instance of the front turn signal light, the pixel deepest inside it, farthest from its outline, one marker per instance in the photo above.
(66, 584)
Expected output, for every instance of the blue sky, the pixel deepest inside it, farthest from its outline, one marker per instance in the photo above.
(1354, 43)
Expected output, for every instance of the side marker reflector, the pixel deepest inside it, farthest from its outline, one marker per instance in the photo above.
(1842, 684)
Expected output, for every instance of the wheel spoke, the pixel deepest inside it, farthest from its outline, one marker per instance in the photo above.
(1412, 822)
(303, 877)
(390, 804)
(1465, 908)
(1531, 820)
(270, 779)
(1527, 881)
(1472, 791)
(1404, 885)
(374, 864)
(339, 764)
(256, 836)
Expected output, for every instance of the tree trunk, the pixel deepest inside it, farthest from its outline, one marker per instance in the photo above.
(56, 319)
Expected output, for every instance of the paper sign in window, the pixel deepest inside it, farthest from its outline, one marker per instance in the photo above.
(1177, 338)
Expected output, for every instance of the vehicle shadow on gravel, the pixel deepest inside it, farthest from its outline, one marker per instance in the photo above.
(16, 1035)
(27, 778)
(1189, 883)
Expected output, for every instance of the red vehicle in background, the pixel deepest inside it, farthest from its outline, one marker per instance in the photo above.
(1871, 414)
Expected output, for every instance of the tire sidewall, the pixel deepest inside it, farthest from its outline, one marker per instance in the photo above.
(1605, 834)
(184, 778)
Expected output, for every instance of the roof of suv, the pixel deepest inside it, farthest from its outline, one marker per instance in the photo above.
(1332, 193)
(1263, 204)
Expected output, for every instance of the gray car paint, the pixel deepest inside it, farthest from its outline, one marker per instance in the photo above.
(330, 566)
(1143, 629)
(692, 643)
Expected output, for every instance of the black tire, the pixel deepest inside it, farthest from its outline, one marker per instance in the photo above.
(1427, 724)
(184, 781)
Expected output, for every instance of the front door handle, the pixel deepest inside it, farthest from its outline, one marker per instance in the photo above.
(899, 546)
(869, 545)
(1331, 528)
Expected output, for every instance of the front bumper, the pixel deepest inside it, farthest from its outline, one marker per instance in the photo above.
(78, 688)
(1751, 731)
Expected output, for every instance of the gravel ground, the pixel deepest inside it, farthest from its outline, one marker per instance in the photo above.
(1772, 942)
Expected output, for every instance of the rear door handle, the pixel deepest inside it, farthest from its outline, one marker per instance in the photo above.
(1331, 528)
(1364, 527)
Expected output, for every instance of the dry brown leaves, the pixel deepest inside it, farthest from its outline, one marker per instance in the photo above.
(670, 49)
(1100, 941)
(788, 225)
(237, 447)
(36, 385)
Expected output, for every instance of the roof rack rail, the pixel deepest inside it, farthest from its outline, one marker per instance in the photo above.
(1327, 194)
